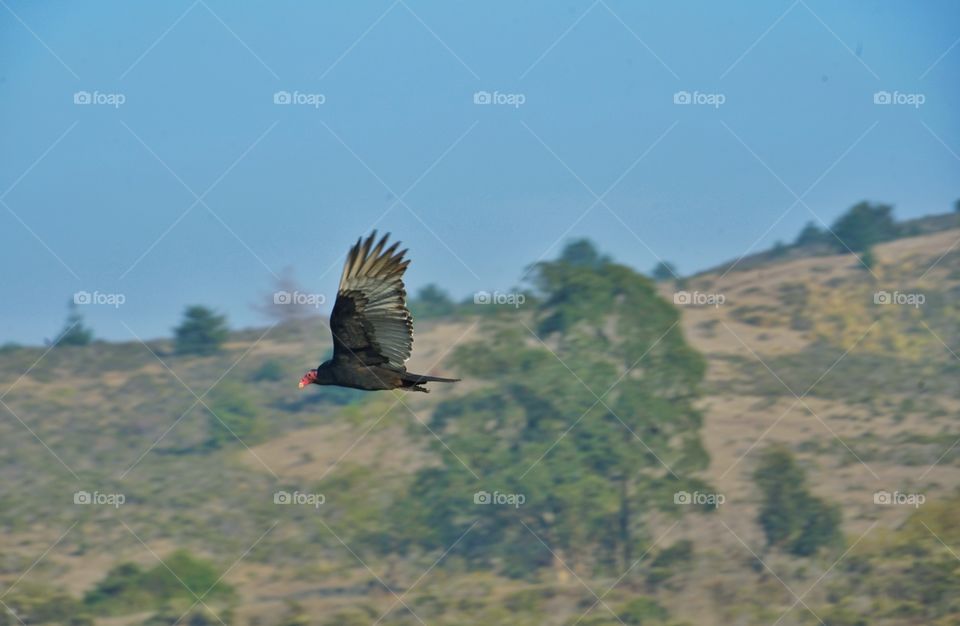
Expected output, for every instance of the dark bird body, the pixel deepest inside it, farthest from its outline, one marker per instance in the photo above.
(371, 326)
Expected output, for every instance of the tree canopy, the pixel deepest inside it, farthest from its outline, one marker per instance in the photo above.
(864, 225)
(664, 271)
(587, 413)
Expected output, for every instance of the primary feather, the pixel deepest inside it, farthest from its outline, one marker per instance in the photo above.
(370, 320)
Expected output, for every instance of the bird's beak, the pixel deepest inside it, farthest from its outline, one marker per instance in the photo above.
(301, 385)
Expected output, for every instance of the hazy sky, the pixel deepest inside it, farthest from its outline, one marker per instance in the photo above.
(384, 130)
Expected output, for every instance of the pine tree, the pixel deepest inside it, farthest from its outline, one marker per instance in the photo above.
(864, 225)
(74, 332)
(201, 332)
(664, 271)
(791, 517)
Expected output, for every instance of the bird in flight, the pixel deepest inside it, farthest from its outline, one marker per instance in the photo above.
(371, 325)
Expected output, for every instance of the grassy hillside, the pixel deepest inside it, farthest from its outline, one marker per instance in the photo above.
(801, 353)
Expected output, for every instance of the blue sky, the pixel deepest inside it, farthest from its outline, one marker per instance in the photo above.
(584, 138)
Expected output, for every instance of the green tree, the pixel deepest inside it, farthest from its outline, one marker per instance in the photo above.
(74, 332)
(589, 470)
(864, 225)
(201, 332)
(791, 517)
(664, 271)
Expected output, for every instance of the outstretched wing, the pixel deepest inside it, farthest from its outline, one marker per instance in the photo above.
(370, 320)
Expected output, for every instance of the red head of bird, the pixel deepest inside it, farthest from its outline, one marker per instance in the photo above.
(308, 378)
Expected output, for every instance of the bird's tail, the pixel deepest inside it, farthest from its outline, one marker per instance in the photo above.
(417, 379)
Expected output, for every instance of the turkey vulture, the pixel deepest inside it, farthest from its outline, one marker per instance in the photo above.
(371, 325)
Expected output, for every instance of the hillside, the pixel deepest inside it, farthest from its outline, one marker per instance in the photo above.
(801, 352)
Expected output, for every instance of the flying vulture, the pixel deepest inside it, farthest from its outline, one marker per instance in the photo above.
(371, 325)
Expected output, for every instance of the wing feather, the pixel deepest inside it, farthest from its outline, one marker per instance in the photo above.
(370, 320)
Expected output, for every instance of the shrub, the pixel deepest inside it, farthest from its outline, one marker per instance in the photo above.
(120, 590)
(128, 588)
(232, 413)
(642, 610)
(792, 518)
(864, 225)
